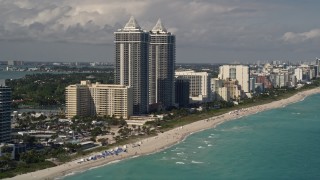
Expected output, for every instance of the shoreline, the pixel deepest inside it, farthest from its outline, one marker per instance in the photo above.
(162, 141)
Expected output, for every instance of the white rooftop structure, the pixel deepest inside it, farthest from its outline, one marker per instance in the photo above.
(159, 27)
(132, 25)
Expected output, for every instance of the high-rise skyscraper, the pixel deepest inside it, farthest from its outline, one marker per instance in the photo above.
(161, 66)
(5, 112)
(131, 63)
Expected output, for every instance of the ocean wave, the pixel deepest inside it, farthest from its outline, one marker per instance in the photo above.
(236, 128)
(164, 159)
(179, 162)
(197, 162)
(177, 149)
(296, 113)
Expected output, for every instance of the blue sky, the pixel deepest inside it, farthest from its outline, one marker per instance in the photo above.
(208, 31)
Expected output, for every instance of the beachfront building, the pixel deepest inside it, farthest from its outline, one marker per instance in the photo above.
(199, 90)
(216, 84)
(5, 112)
(298, 74)
(182, 88)
(263, 79)
(279, 80)
(252, 84)
(86, 99)
(233, 90)
(131, 63)
(224, 94)
(236, 72)
(161, 66)
(78, 100)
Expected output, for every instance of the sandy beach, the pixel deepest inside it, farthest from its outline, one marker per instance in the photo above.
(163, 140)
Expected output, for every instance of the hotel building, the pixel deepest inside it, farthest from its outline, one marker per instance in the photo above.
(131, 63)
(86, 99)
(161, 66)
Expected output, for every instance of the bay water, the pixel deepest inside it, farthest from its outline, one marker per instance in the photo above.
(21, 74)
(282, 143)
(14, 74)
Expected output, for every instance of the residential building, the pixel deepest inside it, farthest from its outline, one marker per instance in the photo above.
(87, 99)
(252, 84)
(298, 74)
(5, 112)
(233, 90)
(200, 90)
(182, 88)
(265, 81)
(279, 80)
(15, 63)
(236, 72)
(131, 63)
(78, 100)
(216, 83)
(224, 93)
(161, 66)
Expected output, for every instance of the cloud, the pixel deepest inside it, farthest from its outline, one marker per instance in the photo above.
(292, 37)
(94, 21)
(215, 28)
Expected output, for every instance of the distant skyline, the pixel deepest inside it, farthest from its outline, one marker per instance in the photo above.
(207, 31)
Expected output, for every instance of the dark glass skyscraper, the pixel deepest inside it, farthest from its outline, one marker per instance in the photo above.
(131, 63)
(161, 66)
(5, 113)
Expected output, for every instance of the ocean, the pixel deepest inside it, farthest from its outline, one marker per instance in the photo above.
(281, 143)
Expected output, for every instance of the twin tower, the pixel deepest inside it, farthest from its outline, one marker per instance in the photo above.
(146, 62)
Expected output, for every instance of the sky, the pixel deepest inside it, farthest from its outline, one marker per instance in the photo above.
(207, 31)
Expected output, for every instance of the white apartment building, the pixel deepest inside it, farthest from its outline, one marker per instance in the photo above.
(298, 74)
(199, 85)
(224, 93)
(236, 72)
(216, 84)
(87, 99)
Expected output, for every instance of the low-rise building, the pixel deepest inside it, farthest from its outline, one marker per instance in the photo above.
(199, 90)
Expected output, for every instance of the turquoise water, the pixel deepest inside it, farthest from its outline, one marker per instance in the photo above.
(277, 144)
